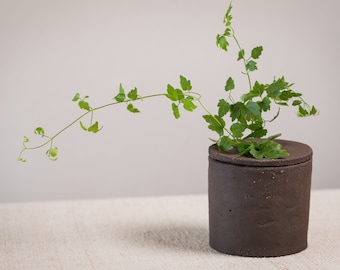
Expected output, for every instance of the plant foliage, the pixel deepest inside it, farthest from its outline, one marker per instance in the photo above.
(238, 123)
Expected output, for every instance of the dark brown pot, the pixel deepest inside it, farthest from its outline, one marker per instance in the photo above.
(259, 208)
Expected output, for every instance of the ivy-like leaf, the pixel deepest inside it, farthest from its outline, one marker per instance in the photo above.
(120, 97)
(223, 107)
(216, 123)
(221, 41)
(188, 104)
(237, 129)
(313, 111)
(256, 91)
(185, 83)
(171, 93)
(288, 94)
(230, 84)
(240, 55)
(227, 32)
(82, 126)
(258, 133)
(132, 108)
(76, 97)
(224, 143)
(52, 153)
(251, 65)
(84, 105)
(174, 94)
(275, 88)
(296, 102)
(236, 110)
(94, 128)
(39, 131)
(254, 108)
(256, 52)
(264, 104)
(175, 110)
(244, 147)
(302, 111)
(268, 149)
(227, 18)
(133, 94)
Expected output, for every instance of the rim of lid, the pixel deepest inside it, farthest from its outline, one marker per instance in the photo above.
(298, 153)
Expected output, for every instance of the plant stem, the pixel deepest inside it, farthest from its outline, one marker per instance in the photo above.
(208, 112)
(244, 60)
(51, 139)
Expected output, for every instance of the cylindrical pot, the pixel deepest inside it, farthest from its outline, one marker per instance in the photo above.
(259, 208)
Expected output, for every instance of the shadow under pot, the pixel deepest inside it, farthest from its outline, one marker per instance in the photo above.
(259, 208)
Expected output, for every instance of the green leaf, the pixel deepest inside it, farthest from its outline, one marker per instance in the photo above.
(171, 93)
(296, 102)
(120, 97)
(265, 104)
(256, 52)
(39, 131)
(244, 147)
(236, 110)
(82, 126)
(26, 139)
(185, 84)
(52, 153)
(188, 104)
(251, 65)
(230, 84)
(175, 110)
(94, 128)
(268, 149)
(174, 94)
(84, 105)
(76, 97)
(256, 91)
(227, 32)
(237, 129)
(254, 108)
(286, 95)
(275, 88)
(302, 111)
(313, 111)
(240, 55)
(224, 143)
(223, 107)
(216, 123)
(258, 133)
(133, 94)
(222, 42)
(132, 108)
(227, 18)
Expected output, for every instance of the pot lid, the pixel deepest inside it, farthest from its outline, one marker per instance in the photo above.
(298, 153)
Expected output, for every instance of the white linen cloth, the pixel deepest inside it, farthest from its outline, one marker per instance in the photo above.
(146, 233)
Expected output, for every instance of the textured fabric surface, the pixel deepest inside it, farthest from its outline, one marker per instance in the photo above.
(146, 233)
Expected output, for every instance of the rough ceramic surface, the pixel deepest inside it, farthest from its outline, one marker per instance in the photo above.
(259, 211)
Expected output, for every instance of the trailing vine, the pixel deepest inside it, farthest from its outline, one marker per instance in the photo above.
(238, 123)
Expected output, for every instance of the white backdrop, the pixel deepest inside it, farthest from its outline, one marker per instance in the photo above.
(52, 49)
